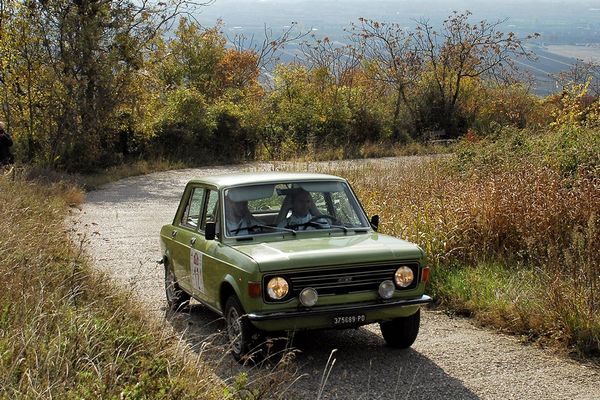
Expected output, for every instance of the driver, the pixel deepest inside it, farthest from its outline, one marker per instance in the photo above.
(238, 218)
(301, 204)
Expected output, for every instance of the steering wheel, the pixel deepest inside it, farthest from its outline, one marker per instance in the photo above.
(314, 222)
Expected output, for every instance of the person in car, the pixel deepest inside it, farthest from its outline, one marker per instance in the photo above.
(238, 219)
(300, 211)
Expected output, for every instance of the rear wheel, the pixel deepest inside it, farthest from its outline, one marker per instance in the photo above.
(401, 332)
(242, 335)
(177, 299)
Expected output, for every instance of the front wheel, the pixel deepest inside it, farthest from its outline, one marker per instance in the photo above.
(176, 297)
(242, 335)
(401, 332)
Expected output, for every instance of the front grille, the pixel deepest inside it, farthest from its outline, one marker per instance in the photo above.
(343, 280)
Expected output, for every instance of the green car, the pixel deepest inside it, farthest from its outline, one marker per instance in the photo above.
(276, 252)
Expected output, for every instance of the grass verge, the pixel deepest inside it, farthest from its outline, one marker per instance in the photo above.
(66, 332)
(511, 226)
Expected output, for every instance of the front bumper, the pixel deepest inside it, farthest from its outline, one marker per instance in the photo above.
(320, 317)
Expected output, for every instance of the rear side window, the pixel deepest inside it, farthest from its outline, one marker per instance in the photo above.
(193, 209)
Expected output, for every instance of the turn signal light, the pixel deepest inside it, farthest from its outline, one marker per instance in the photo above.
(425, 274)
(254, 289)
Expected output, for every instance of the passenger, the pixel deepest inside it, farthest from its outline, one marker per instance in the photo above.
(300, 215)
(238, 218)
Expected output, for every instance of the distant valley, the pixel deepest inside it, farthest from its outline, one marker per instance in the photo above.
(569, 30)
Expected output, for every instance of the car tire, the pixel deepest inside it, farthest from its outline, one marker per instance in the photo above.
(243, 337)
(401, 332)
(177, 298)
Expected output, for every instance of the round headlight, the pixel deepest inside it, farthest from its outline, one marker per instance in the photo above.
(308, 297)
(386, 289)
(404, 276)
(277, 288)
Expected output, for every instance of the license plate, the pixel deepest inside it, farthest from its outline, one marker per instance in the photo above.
(349, 319)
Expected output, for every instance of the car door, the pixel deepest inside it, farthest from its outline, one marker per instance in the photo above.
(185, 235)
(203, 258)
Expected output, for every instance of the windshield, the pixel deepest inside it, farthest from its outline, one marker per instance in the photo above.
(291, 207)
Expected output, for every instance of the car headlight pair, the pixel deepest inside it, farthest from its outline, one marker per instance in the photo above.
(278, 288)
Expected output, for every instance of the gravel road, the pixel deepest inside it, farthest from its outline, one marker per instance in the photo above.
(451, 358)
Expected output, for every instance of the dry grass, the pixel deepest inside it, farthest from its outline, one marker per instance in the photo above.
(366, 150)
(514, 243)
(65, 332)
(141, 167)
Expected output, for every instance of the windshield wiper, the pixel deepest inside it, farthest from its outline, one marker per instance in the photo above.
(339, 227)
(319, 225)
(275, 228)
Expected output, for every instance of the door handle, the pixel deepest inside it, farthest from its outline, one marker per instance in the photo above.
(193, 241)
(173, 234)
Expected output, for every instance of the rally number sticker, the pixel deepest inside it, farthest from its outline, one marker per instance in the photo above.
(196, 269)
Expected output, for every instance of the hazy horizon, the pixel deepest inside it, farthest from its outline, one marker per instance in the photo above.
(568, 29)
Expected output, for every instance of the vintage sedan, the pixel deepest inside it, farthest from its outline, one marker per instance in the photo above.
(276, 252)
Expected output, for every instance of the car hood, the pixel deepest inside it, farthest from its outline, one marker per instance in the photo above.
(335, 250)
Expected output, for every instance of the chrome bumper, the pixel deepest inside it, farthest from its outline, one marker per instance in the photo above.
(337, 310)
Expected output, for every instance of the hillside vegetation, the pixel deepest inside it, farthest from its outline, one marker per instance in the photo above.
(511, 227)
(88, 85)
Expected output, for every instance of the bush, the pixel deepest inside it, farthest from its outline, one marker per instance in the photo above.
(510, 227)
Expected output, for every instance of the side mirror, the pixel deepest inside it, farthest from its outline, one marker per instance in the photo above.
(210, 231)
(375, 222)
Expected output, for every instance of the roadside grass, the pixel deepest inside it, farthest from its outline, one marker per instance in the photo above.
(511, 228)
(494, 294)
(365, 150)
(66, 332)
(133, 168)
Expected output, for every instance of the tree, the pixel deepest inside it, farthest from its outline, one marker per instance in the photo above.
(392, 59)
(461, 51)
(580, 74)
(74, 63)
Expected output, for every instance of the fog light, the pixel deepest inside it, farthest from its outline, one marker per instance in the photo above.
(308, 297)
(404, 276)
(386, 289)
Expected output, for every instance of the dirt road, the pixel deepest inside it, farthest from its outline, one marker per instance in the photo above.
(452, 358)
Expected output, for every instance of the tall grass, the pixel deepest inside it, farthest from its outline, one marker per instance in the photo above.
(511, 226)
(66, 332)
(292, 151)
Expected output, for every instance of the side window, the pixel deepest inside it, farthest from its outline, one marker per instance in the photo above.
(193, 210)
(212, 207)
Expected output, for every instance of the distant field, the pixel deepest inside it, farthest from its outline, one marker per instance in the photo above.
(590, 52)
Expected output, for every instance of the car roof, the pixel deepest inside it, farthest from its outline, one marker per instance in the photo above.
(236, 179)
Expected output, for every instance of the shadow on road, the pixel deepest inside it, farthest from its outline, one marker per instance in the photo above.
(365, 368)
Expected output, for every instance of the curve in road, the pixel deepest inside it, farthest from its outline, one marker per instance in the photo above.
(451, 358)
